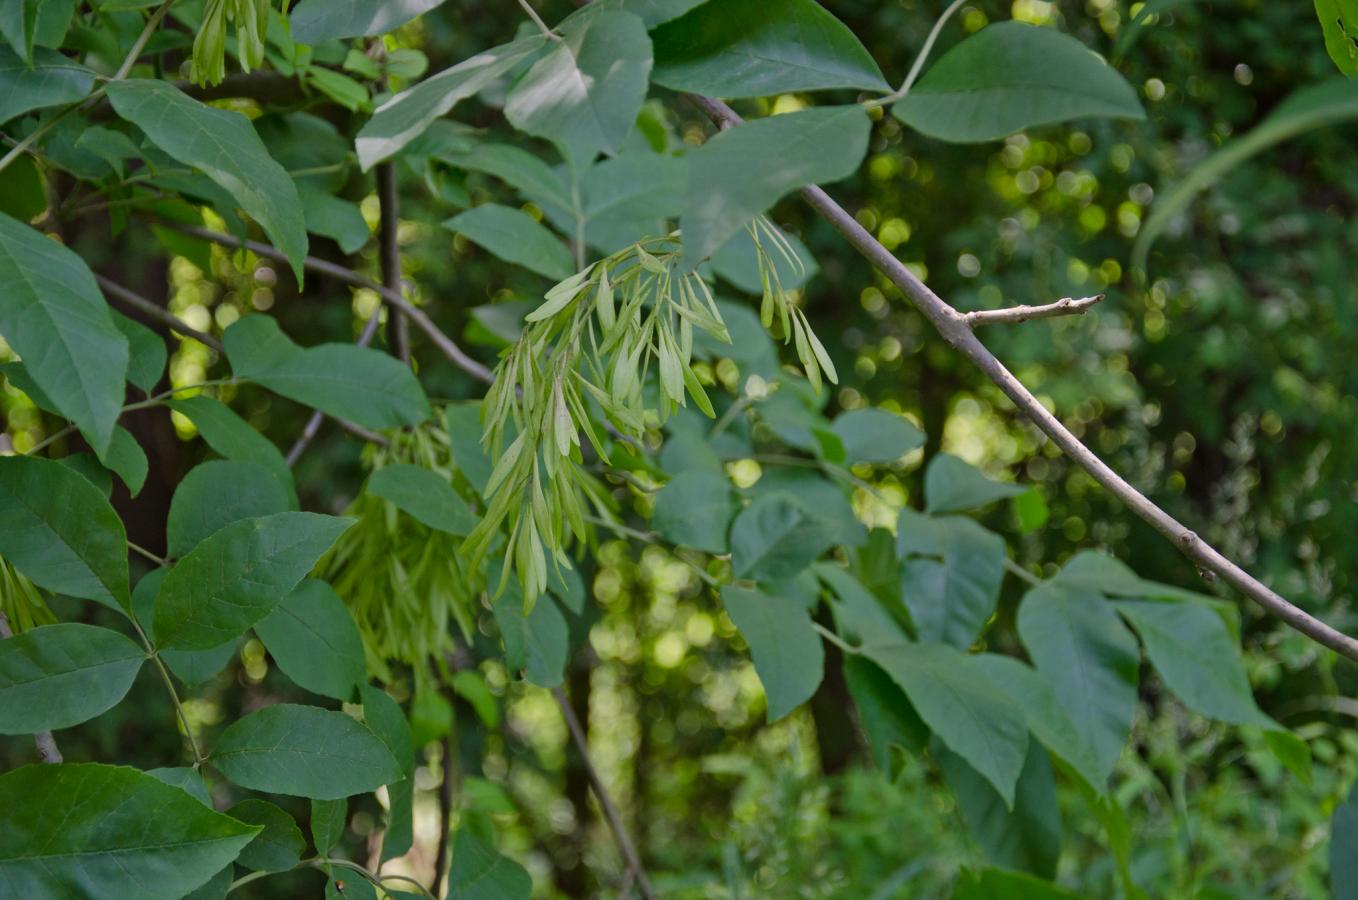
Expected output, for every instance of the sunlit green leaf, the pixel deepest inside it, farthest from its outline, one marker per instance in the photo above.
(1010, 76)
(224, 146)
(756, 48)
(787, 651)
(743, 171)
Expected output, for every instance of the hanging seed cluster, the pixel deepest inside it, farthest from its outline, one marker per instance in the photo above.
(590, 348)
(251, 18)
(402, 580)
(21, 602)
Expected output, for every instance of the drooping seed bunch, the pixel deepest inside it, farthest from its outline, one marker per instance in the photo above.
(582, 365)
(21, 601)
(402, 580)
(251, 18)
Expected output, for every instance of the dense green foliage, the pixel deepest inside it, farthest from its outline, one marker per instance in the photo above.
(660, 523)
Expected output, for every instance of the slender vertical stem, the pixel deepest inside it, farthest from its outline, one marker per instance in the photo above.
(140, 44)
(47, 745)
(174, 694)
(537, 20)
(445, 815)
(611, 815)
(389, 204)
(178, 707)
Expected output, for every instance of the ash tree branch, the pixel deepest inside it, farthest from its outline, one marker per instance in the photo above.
(155, 311)
(389, 204)
(610, 811)
(1066, 306)
(456, 355)
(958, 332)
(160, 314)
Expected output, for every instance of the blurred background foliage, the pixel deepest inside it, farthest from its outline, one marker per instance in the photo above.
(1223, 385)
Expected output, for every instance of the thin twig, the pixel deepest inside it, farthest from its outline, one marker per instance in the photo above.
(918, 65)
(47, 745)
(615, 823)
(456, 355)
(154, 654)
(537, 20)
(155, 311)
(1018, 571)
(389, 248)
(1066, 306)
(958, 332)
(151, 25)
(142, 551)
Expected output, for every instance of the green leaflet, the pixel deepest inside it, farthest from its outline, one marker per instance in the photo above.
(743, 171)
(405, 117)
(1343, 840)
(425, 495)
(191, 666)
(216, 493)
(884, 711)
(61, 675)
(1339, 23)
(356, 383)
(52, 315)
(147, 353)
(479, 872)
(875, 436)
(967, 711)
(303, 751)
(1026, 837)
(950, 575)
(1033, 693)
(515, 237)
(225, 147)
(787, 651)
(695, 510)
(384, 716)
(238, 575)
(278, 846)
(1010, 76)
(234, 438)
(53, 79)
(585, 92)
(755, 48)
(121, 833)
(314, 21)
(1077, 641)
(333, 217)
(57, 528)
(951, 485)
(313, 639)
(537, 641)
(1197, 657)
(126, 457)
(327, 823)
(776, 537)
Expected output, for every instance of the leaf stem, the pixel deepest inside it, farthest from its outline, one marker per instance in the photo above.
(148, 554)
(537, 20)
(918, 65)
(835, 639)
(154, 655)
(140, 44)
